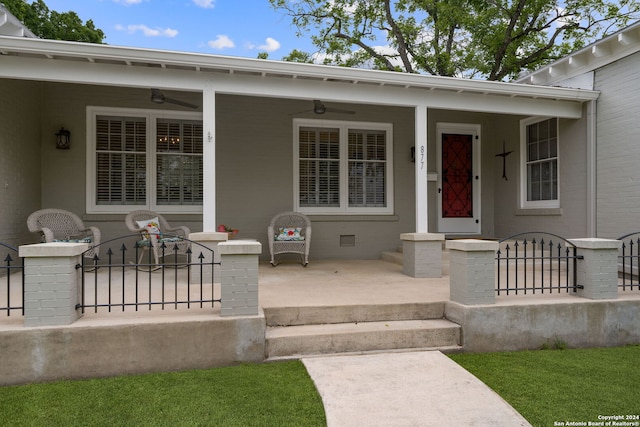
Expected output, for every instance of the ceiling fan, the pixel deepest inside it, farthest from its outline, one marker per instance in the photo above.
(320, 108)
(159, 98)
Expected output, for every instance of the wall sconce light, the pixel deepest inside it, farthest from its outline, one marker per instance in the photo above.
(413, 154)
(63, 139)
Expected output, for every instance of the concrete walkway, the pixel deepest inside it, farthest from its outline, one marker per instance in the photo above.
(423, 388)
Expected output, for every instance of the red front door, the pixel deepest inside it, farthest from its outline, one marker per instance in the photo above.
(457, 176)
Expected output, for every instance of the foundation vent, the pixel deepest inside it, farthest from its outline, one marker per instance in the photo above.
(347, 240)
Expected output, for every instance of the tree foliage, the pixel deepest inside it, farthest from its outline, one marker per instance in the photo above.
(49, 24)
(299, 56)
(491, 39)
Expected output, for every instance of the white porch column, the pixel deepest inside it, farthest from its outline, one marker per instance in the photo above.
(592, 203)
(209, 158)
(422, 218)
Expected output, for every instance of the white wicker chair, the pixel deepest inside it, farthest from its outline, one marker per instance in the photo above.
(300, 247)
(171, 236)
(58, 225)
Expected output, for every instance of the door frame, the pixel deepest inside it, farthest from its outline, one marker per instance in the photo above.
(466, 226)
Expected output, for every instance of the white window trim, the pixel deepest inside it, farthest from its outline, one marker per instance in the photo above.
(150, 116)
(535, 204)
(344, 208)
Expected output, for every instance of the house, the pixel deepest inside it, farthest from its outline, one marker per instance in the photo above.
(368, 155)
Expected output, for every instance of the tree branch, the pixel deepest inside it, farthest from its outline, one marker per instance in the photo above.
(399, 37)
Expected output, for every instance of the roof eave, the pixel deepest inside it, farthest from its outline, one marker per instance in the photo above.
(11, 26)
(129, 56)
(596, 55)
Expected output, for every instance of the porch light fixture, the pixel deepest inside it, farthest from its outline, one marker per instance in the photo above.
(63, 139)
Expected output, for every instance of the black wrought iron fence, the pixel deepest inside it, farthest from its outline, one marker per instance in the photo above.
(536, 262)
(629, 262)
(11, 280)
(183, 275)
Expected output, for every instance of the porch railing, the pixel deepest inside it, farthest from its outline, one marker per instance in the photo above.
(536, 262)
(181, 278)
(629, 262)
(11, 284)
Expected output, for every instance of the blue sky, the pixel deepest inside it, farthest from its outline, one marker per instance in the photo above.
(224, 27)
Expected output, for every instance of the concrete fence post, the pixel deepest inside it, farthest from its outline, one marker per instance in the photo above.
(209, 240)
(239, 277)
(598, 270)
(52, 284)
(422, 254)
(472, 274)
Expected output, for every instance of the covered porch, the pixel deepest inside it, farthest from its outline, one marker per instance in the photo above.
(247, 115)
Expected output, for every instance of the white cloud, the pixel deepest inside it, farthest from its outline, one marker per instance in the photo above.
(270, 45)
(148, 32)
(207, 4)
(221, 42)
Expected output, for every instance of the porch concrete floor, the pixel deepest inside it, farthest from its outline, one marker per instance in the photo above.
(345, 282)
(349, 282)
(322, 282)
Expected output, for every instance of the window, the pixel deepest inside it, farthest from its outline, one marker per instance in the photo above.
(540, 163)
(342, 167)
(144, 160)
(179, 162)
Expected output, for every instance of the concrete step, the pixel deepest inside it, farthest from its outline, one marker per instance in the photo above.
(395, 257)
(305, 340)
(319, 315)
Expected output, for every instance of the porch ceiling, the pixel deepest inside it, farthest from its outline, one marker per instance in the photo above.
(23, 54)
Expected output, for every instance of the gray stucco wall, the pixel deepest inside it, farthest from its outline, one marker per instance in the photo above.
(64, 171)
(570, 221)
(20, 158)
(618, 147)
(254, 143)
(255, 175)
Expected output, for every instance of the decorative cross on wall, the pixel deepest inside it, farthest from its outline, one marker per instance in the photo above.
(504, 155)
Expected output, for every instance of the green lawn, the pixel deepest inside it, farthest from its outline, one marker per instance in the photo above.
(556, 386)
(546, 387)
(270, 394)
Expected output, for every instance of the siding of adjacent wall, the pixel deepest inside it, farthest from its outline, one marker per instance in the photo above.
(618, 147)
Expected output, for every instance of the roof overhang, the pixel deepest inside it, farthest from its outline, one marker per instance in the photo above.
(11, 26)
(51, 60)
(596, 55)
